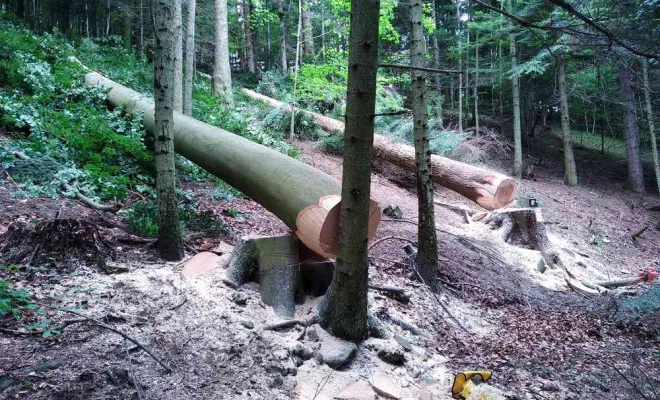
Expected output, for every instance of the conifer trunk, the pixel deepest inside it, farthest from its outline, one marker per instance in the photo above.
(178, 58)
(439, 100)
(128, 24)
(517, 138)
(344, 308)
(221, 70)
(570, 171)
(308, 29)
(631, 131)
(649, 115)
(476, 83)
(427, 256)
(249, 37)
(190, 58)
(169, 242)
(284, 66)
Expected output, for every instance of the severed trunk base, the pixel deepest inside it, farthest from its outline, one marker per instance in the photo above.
(275, 262)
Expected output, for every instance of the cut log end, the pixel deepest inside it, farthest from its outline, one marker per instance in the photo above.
(317, 226)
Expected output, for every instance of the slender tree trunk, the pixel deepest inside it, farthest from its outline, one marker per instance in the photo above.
(308, 28)
(166, 27)
(570, 171)
(427, 257)
(460, 67)
(249, 37)
(128, 24)
(344, 308)
(476, 83)
(649, 115)
(190, 58)
(142, 27)
(631, 131)
(295, 74)
(108, 12)
(284, 66)
(178, 60)
(86, 19)
(517, 139)
(436, 62)
(221, 69)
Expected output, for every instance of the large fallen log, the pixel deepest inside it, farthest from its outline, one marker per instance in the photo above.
(304, 198)
(489, 189)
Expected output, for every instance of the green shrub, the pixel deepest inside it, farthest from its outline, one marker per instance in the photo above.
(305, 128)
(333, 144)
(142, 218)
(13, 301)
(225, 192)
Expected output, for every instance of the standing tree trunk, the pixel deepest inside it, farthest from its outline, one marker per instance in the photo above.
(221, 70)
(649, 115)
(178, 60)
(436, 61)
(460, 68)
(308, 28)
(190, 59)
(170, 243)
(476, 83)
(517, 139)
(631, 131)
(344, 308)
(249, 37)
(128, 24)
(296, 67)
(427, 256)
(284, 66)
(570, 171)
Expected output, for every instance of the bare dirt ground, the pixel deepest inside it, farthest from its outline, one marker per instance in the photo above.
(541, 340)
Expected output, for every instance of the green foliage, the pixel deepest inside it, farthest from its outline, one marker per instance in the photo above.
(142, 218)
(305, 127)
(225, 192)
(333, 144)
(13, 301)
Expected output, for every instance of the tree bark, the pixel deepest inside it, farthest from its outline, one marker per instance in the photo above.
(427, 255)
(221, 70)
(631, 131)
(190, 59)
(487, 188)
(178, 58)
(517, 139)
(304, 198)
(284, 66)
(308, 28)
(249, 37)
(128, 24)
(436, 61)
(460, 68)
(344, 308)
(649, 115)
(170, 242)
(476, 84)
(570, 171)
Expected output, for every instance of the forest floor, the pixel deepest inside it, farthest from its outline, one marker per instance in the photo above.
(541, 340)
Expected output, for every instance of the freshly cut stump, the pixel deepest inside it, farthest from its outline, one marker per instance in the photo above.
(59, 241)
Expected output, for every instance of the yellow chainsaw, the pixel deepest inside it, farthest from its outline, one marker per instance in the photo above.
(465, 382)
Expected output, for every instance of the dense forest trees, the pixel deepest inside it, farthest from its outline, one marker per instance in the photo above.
(531, 73)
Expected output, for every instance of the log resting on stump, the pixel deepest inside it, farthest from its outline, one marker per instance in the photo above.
(304, 198)
(487, 188)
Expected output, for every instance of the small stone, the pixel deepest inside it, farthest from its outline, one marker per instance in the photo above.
(239, 298)
(277, 382)
(302, 351)
(390, 353)
(385, 387)
(403, 341)
(312, 335)
(281, 354)
(550, 386)
(288, 368)
(247, 324)
(360, 390)
(336, 352)
(393, 211)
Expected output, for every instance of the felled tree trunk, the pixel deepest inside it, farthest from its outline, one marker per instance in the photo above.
(304, 198)
(489, 189)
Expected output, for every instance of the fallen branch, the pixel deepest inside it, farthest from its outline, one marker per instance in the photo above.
(290, 324)
(390, 238)
(640, 232)
(385, 288)
(122, 334)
